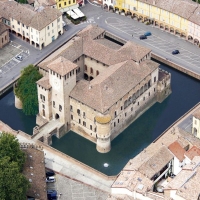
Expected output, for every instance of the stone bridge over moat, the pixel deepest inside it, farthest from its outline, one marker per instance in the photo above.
(45, 132)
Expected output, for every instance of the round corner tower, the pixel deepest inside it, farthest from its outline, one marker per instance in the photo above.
(103, 133)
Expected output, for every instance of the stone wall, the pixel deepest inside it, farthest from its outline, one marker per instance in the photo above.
(175, 66)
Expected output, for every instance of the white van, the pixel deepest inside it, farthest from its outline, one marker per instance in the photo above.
(63, 24)
(50, 179)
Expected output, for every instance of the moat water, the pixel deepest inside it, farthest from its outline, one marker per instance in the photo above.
(185, 94)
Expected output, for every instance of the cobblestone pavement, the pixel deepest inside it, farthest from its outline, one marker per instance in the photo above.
(74, 190)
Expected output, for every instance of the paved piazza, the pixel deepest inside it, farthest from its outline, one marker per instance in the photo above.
(74, 190)
(7, 56)
(154, 41)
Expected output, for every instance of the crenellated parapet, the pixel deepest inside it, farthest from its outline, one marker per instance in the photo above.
(103, 133)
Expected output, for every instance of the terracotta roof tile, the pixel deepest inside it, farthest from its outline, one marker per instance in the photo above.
(91, 31)
(62, 66)
(190, 190)
(107, 56)
(44, 82)
(196, 114)
(34, 170)
(134, 51)
(159, 160)
(177, 150)
(110, 85)
(194, 151)
(195, 17)
(25, 14)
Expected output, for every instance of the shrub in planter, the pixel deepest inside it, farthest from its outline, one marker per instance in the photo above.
(84, 18)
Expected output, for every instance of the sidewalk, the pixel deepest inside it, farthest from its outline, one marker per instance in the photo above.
(75, 172)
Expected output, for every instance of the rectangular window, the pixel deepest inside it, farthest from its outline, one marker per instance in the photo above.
(43, 98)
(115, 113)
(132, 109)
(52, 24)
(69, 2)
(84, 114)
(79, 112)
(65, 3)
(40, 96)
(121, 107)
(43, 106)
(90, 127)
(60, 108)
(84, 123)
(125, 114)
(154, 79)
(118, 120)
(79, 121)
(23, 25)
(138, 103)
(18, 22)
(26, 27)
(71, 117)
(74, 1)
(54, 104)
(59, 5)
(71, 108)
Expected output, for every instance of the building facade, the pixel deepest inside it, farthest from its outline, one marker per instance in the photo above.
(97, 87)
(4, 35)
(38, 27)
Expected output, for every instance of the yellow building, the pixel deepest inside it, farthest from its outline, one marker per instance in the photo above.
(172, 16)
(66, 5)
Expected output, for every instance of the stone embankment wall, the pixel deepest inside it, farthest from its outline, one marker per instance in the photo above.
(175, 66)
(25, 137)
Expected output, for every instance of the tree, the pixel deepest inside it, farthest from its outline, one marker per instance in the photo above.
(26, 89)
(9, 146)
(13, 184)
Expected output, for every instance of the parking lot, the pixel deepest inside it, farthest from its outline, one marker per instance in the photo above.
(74, 190)
(8, 56)
(154, 41)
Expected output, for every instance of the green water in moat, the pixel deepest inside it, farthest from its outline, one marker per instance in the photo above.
(185, 94)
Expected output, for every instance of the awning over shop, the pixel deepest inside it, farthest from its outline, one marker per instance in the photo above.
(78, 12)
(72, 14)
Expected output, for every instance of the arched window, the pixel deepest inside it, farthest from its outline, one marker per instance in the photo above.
(91, 71)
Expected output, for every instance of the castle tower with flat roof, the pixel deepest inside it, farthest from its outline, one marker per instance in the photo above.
(103, 133)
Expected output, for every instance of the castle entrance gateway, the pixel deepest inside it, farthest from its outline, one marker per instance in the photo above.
(57, 116)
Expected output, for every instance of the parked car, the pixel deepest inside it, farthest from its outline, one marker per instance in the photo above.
(19, 57)
(51, 194)
(50, 173)
(148, 33)
(142, 37)
(175, 52)
(50, 179)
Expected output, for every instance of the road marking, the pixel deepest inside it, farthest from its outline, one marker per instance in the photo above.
(157, 42)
